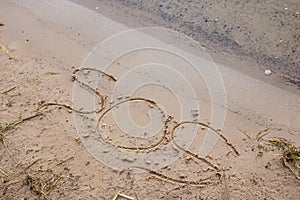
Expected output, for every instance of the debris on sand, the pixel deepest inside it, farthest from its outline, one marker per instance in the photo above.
(9, 89)
(119, 194)
(290, 154)
(11, 125)
(7, 52)
(39, 181)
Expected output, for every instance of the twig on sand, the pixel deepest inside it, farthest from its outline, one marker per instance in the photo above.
(8, 126)
(3, 172)
(63, 161)
(7, 52)
(9, 89)
(119, 194)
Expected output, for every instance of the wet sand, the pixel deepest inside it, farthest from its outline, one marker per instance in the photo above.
(248, 36)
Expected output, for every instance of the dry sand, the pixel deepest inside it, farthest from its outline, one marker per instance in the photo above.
(49, 39)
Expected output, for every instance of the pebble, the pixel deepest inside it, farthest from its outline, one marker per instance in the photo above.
(268, 72)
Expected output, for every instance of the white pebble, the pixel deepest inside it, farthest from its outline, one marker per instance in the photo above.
(268, 72)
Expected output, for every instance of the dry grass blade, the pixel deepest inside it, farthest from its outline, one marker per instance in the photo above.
(3, 172)
(63, 161)
(50, 73)
(13, 125)
(1, 137)
(6, 51)
(257, 136)
(9, 89)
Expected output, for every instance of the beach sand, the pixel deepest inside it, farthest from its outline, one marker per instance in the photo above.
(247, 36)
(50, 39)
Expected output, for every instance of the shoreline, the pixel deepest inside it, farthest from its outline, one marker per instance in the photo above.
(230, 53)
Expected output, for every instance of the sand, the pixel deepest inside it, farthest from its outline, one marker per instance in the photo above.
(248, 36)
(50, 39)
